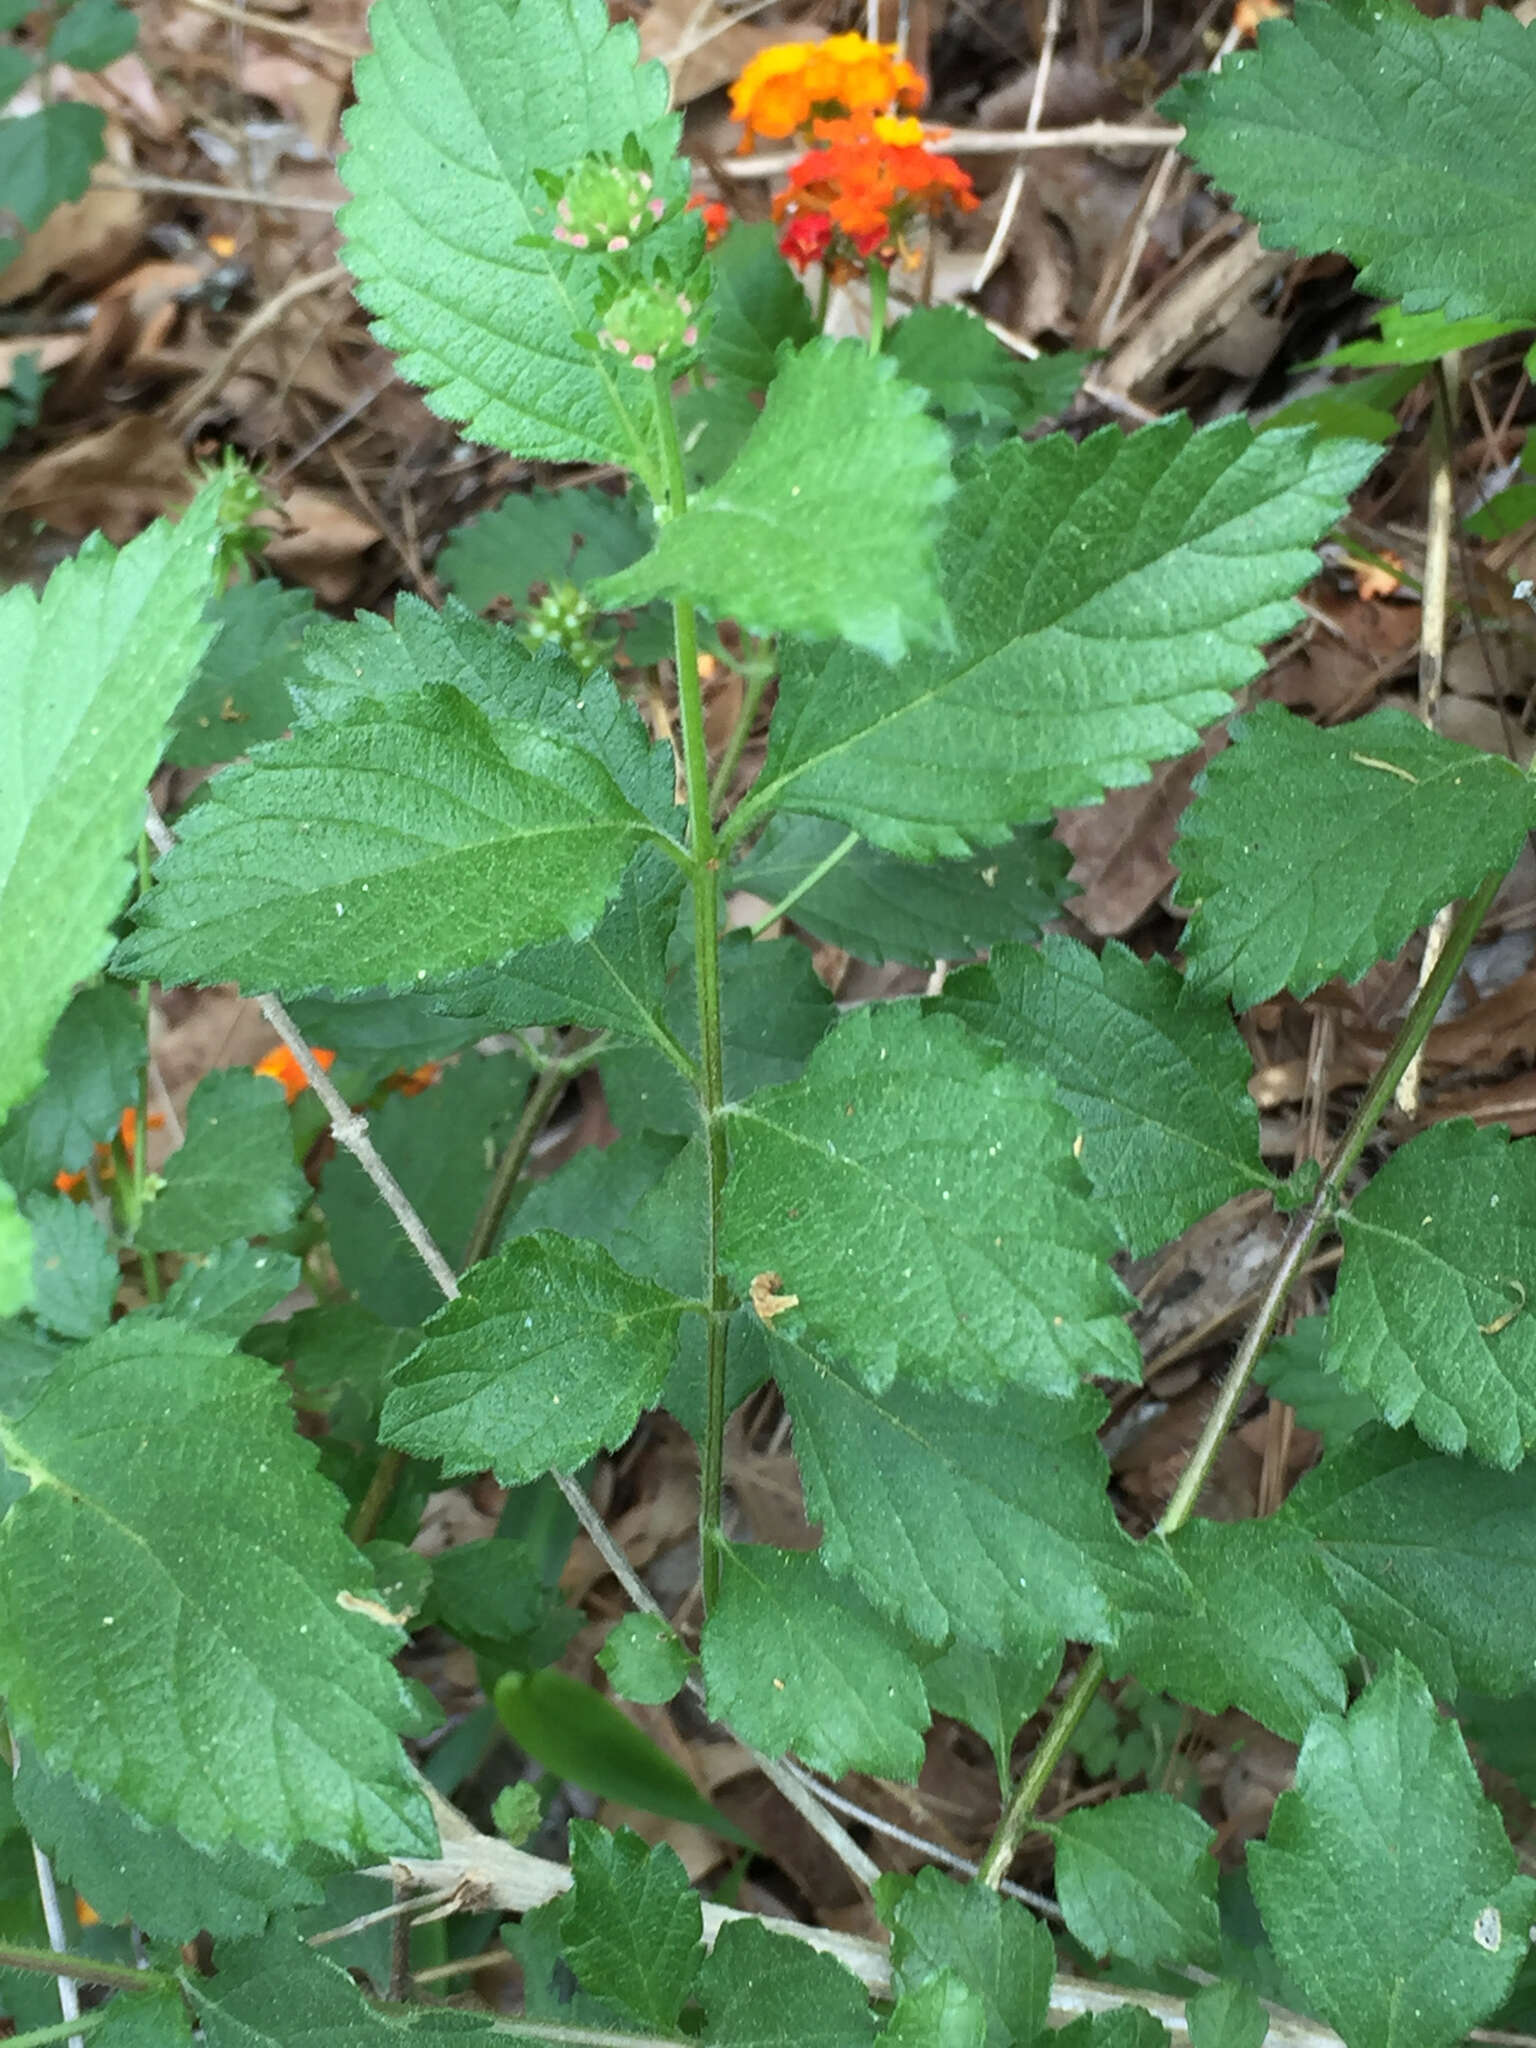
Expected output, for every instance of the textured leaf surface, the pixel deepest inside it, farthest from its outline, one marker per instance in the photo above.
(1431, 1556)
(813, 2001)
(953, 1519)
(551, 1353)
(943, 2012)
(152, 1876)
(793, 539)
(276, 1992)
(232, 1289)
(1404, 144)
(47, 157)
(758, 304)
(398, 837)
(541, 537)
(1429, 1318)
(881, 908)
(435, 1145)
(794, 1661)
(456, 110)
(93, 1060)
(917, 1192)
(205, 1671)
(994, 1692)
(1226, 2015)
(645, 1659)
(633, 1925)
(93, 669)
(998, 1948)
(1387, 1884)
(1293, 1370)
(235, 1175)
(1155, 1074)
(1257, 1626)
(1136, 1878)
(240, 694)
(1311, 851)
(774, 1010)
(614, 979)
(74, 1269)
(968, 373)
(1106, 599)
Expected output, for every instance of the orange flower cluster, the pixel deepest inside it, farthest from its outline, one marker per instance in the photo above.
(717, 217)
(281, 1066)
(851, 199)
(786, 89)
(127, 1135)
(869, 171)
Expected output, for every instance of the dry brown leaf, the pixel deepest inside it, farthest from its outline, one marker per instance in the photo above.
(119, 479)
(85, 240)
(321, 543)
(1122, 845)
(51, 351)
(766, 1300)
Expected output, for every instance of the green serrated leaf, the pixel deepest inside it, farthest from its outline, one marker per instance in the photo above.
(489, 1594)
(550, 1354)
(1416, 339)
(645, 1659)
(713, 422)
(93, 668)
(758, 305)
(240, 694)
(774, 1008)
(1136, 1878)
(16, 67)
(968, 373)
(792, 539)
(46, 158)
(1387, 1884)
(595, 1193)
(795, 1661)
(456, 110)
(614, 979)
(156, 2017)
(957, 1520)
(93, 1060)
(917, 1192)
(633, 1926)
(1257, 1626)
(1402, 143)
(224, 1542)
(153, 1876)
(1225, 2015)
(74, 1269)
(1429, 1317)
(1107, 598)
(234, 1176)
(570, 536)
(1123, 2026)
(1430, 1556)
(15, 1255)
(272, 1993)
(1155, 1074)
(337, 1359)
(91, 34)
(416, 812)
(995, 1945)
(1293, 1370)
(881, 908)
(760, 1990)
(943, 2012)
(1364, 831)
(440, 1146)
(994, 1692)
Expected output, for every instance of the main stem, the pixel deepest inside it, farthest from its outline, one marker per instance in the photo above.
(706, 953)
(1306, 1227)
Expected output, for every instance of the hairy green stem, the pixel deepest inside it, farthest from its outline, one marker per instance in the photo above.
(84, 1969)
(1306, 1227)
(61, 2030)
(706, 941)
(807, 883)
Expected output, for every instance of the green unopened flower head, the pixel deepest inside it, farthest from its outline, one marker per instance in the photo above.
(564, 618)
(605, 203)
(649, 321)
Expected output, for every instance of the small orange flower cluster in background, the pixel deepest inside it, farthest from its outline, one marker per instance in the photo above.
(416, 1080)
(717, 217)
(869, 171)
(786, 89)
(127, 1132)
(281, 1066)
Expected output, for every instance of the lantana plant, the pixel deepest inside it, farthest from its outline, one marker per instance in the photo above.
(451, 852)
